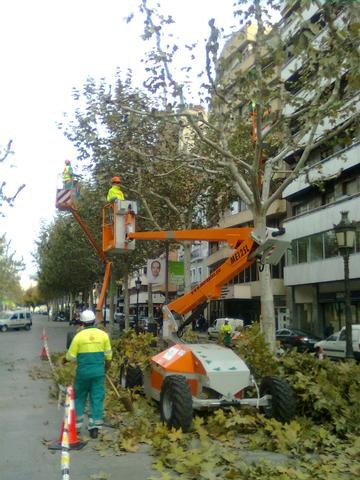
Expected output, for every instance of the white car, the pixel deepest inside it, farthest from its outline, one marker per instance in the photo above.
(15, 320)
(335, 345)
(213, 331)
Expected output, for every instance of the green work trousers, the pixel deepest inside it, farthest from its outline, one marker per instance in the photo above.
(93, 388)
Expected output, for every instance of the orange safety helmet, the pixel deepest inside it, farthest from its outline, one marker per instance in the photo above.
(67, 162)
(116, 180)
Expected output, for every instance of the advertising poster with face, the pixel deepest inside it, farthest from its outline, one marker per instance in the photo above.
(156, 270)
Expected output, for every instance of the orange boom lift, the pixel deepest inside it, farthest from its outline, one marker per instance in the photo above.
(186, 377)
(66, 201)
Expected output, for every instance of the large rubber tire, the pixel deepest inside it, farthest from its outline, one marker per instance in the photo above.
(69, 338)
(27, 327)
(4, 328)
(176, 407)
(131, 377)
(282, 405)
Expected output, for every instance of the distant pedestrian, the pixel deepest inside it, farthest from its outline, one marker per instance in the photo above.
(226, 331)
(91, 349)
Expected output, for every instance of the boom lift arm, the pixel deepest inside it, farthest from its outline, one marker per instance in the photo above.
(248, 245)
(65, 201)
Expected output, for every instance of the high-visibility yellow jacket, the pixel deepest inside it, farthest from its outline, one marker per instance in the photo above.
(226, 329)
(90, 348)
(67, 173)
(116, 193)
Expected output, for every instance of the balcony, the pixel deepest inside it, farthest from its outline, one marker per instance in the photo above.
(328, 270)
(321, 220)
(294, 64)
(325, 170)
(245, 217)
(293, 23)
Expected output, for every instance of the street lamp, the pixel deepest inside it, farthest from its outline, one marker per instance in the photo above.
(137, 286)
(345, 237)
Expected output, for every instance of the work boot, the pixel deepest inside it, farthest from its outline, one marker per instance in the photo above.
(94, 432)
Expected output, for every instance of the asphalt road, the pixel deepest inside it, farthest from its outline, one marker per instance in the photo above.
(28, 416)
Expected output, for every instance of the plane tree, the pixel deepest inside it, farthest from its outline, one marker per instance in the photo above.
(257, 127)
(147, 153)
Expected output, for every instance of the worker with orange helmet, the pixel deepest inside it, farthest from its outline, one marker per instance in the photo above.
(115, 192)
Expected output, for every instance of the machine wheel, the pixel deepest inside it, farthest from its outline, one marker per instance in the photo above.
(176, 408)
(282, 404)
(27, 326)
(69, 338)
(4, 328)
(130, 377)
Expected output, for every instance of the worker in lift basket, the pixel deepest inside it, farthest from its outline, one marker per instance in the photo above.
(91, 349)
(226, 330)
(115, 192)
(69, 176)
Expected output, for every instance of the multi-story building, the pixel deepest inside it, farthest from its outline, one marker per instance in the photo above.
(330, 184)
(309, 291)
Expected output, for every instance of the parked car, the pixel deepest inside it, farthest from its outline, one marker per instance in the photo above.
(291, 337)
(61, 317)
(335, 346)
(15, 320)
(145, 325)
(120, 319)
(213, 331)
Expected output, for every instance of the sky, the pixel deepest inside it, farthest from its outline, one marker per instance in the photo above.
(48, 47)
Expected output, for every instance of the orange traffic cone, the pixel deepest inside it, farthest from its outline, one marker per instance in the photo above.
(72, 436)
(43, 354)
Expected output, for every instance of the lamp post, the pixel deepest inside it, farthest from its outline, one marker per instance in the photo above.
(137, 286)
(345, 237)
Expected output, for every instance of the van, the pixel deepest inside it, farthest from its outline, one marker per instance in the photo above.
(335, 345)
(15, 320)
(213, 331)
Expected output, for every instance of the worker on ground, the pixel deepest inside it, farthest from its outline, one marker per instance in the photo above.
(91, 349)
(115, 192)
(226, 330)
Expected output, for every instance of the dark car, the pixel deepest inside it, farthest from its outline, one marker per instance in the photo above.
(120, 319)
(291, 337)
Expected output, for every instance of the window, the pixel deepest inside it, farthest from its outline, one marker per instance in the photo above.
(326, 152)
(330, 244)
(342, 337)
(316, 247)
(22, 316)
(303, 250)
(350, 187)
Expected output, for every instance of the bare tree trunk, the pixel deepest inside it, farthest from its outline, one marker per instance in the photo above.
(111, 301)
(71, 306)
(91, 298)
(150, 303)
(267, 317)
(187, 266)
(126, 297)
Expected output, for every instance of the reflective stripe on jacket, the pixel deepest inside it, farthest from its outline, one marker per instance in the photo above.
(115, 192)
(90, 347)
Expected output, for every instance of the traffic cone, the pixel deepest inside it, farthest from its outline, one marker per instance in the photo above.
(43, 354)
(72, 436)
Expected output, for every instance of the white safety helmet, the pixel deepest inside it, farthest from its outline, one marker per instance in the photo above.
(87, 316)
